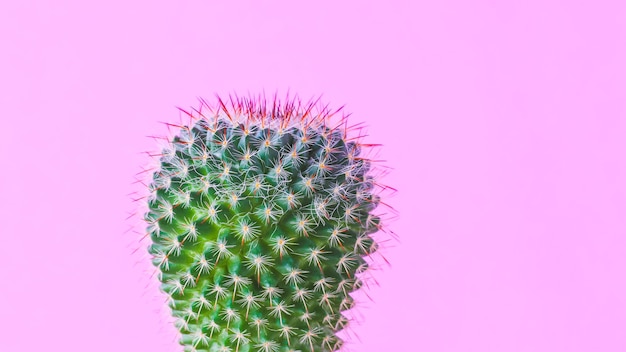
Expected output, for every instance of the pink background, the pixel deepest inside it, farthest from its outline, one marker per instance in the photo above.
(505, 122)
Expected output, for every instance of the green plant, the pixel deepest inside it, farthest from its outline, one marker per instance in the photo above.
(260, 217)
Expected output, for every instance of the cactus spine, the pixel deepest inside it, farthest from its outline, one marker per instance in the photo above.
(260, 218)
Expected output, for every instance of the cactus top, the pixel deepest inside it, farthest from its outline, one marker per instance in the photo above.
(260, 218)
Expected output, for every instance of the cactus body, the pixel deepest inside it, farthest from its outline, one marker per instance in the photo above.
(259, 220)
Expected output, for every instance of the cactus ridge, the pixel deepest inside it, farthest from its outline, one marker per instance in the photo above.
(259, 220)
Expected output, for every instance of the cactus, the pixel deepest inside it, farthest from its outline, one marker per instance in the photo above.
(260, 219)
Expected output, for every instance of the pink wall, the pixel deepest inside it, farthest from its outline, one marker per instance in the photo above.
(505, 122)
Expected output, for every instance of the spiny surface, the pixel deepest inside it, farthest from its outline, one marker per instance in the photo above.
(259, 223)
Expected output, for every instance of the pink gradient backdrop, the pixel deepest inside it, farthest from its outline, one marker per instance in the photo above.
(505, 122)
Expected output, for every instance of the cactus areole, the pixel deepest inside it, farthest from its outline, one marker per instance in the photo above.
(260, 217)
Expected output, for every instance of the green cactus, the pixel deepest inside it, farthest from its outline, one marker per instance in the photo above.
(260, 218)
